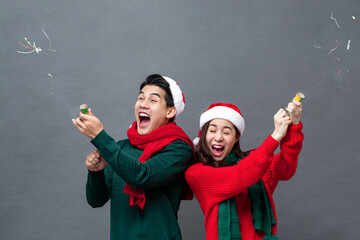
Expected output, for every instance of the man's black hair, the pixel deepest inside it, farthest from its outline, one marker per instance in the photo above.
(158, 80)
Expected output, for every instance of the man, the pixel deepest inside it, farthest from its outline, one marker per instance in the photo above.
(144, 174)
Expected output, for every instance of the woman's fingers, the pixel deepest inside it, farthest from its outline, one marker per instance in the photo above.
(294, 108)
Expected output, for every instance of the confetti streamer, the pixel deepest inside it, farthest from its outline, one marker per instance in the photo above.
(316, 45)
(49, 41)
(37, 49)
(353, 17)
(24, 45)
(336, 42)
(50, 75)
(334, 20)
(26, 52)
(28, 42)
(348, 45)
(332, 50)
(338, 72)
(33, 47)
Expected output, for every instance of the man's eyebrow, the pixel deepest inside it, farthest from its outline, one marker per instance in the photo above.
(154, 94)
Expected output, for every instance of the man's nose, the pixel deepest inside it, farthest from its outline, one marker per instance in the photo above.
(144, 104)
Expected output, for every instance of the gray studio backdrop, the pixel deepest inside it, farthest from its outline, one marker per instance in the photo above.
(255, 54)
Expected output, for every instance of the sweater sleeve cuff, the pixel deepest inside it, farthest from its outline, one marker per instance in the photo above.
(297, 127)
(270, 145)
(101, 140)
(294, 135)
(96, 174)
(265, 151)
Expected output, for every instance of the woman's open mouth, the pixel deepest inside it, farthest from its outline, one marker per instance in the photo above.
(217, 150)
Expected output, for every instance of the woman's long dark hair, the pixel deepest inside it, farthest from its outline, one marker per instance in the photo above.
(203, 153)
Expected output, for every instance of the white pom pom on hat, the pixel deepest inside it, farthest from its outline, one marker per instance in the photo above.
(225, 111)
(177, 95)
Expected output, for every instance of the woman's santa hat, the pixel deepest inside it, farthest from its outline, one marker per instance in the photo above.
(225, 111)
(177, 95)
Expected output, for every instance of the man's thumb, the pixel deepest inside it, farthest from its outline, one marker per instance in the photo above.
(90, 112)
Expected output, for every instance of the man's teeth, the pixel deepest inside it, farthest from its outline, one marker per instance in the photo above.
(143, 115)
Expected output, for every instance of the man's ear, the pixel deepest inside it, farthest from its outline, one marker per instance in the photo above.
(171, 112)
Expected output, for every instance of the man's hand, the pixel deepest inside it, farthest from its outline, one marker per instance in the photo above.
(89, 125)
(294, 108)
(95, 162)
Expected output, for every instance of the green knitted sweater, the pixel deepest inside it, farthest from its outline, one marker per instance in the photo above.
(162, 177)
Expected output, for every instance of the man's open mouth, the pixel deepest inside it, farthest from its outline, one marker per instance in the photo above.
(144, 119)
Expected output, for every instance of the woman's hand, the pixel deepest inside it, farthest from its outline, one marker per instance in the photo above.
(281, 122)
(294, 108)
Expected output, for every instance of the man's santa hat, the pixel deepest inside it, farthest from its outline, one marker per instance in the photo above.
(225, 111)
(177, 95)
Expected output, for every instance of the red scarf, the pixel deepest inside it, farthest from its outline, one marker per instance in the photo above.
(152, 143)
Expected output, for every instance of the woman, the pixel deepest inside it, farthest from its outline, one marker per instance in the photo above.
(235, 188)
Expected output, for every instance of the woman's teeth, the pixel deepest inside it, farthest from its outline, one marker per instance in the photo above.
(217, 149)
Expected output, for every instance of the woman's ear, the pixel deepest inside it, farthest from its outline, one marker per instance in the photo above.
(237, 137)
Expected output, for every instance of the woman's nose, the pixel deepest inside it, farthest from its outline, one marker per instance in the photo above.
(218, 136)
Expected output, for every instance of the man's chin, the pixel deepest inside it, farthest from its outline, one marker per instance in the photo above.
(143, 131)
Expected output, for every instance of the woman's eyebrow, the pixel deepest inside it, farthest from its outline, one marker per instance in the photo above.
(213, 125)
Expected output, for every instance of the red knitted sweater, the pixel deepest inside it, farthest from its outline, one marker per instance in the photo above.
(213, 185)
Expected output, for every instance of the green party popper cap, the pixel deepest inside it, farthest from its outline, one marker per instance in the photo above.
(84, 109)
